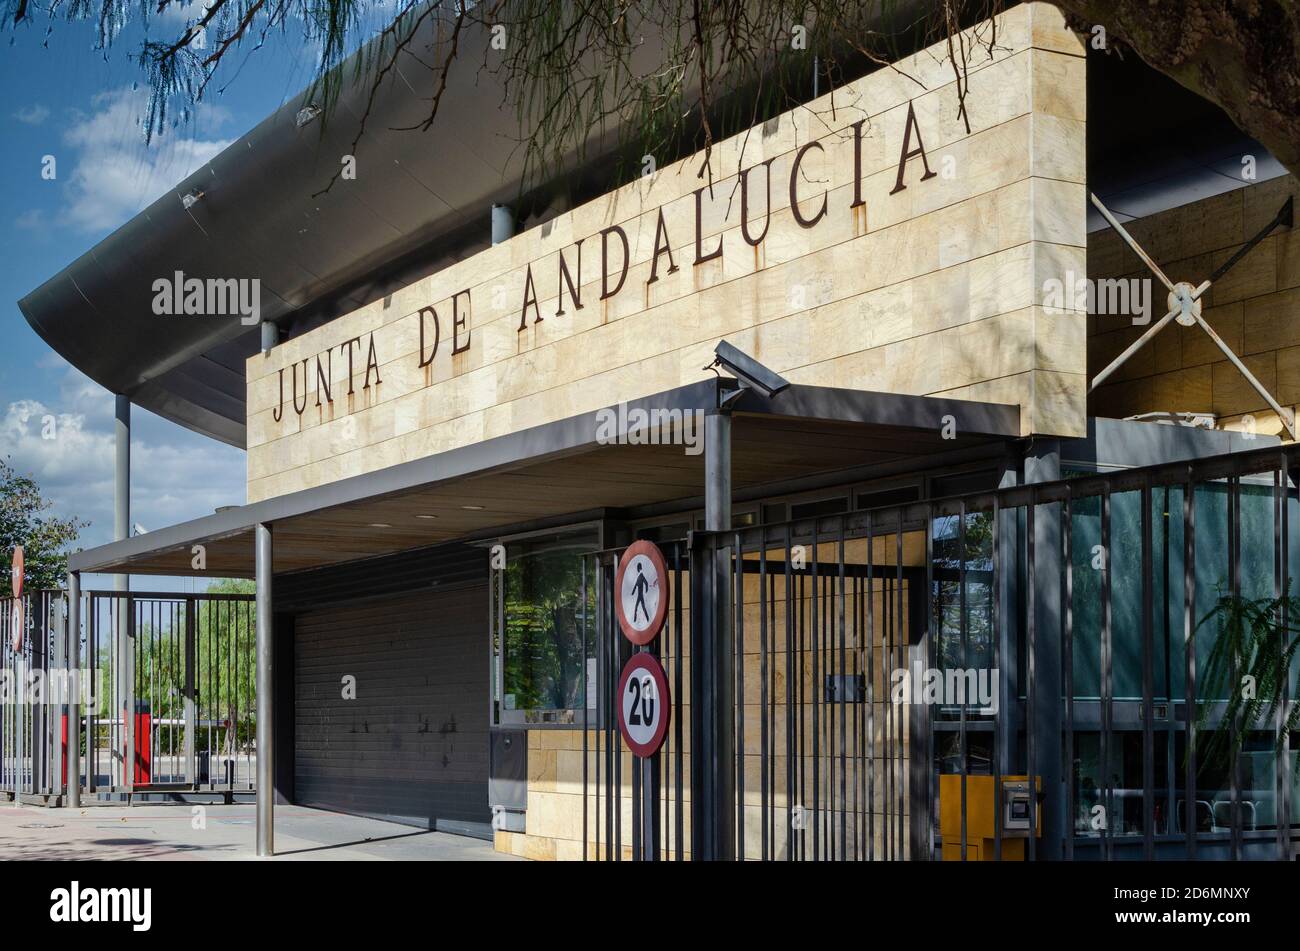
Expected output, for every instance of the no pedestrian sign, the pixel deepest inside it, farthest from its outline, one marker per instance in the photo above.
(643, 592)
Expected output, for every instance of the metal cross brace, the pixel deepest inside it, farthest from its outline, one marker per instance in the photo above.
(1185, 305)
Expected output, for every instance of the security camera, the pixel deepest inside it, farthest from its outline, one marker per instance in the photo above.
(748, 371)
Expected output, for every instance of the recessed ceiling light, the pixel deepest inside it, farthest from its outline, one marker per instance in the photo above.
(426, 516)
(380, 525)
(472, 508)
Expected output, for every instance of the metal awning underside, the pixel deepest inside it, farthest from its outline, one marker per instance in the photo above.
(559, 470)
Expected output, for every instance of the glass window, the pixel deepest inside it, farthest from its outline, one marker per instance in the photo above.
(1126, 758)
(967, 651)
(544, 629)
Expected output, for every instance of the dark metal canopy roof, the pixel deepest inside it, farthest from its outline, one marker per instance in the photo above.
(559, 470)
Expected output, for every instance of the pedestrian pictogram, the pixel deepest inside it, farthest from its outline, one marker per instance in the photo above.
(643, 592)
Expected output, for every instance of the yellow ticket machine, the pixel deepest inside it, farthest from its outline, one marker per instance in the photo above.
(983, 802)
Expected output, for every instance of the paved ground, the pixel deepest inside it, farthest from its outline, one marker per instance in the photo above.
(100, 833)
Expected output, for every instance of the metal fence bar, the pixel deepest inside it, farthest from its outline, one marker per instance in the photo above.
(871, 690)
(1279, 573)
(1107, 686)
(842, 692)
(995, 588)
(678, 726)
(792, 826)
(1148, 684)
(962, 751)
(1234, 727)
(815, 641)
(900, 663)
(930, 640)
(739, 666)
(1031, 645)
(1283, 772)
(1189, 658)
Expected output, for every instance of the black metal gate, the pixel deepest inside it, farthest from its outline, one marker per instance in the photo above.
(823, 609)
(167, 694)
(1039, 672)
(31, 762)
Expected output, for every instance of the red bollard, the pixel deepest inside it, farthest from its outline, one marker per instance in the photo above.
(143, 746)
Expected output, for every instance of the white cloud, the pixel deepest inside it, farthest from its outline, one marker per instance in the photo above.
(176, 475)
(33, 219)
(178, 11)
(115, 174)
(34, 114)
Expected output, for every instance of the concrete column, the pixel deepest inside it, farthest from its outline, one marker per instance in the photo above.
(265, 682)
(503, 223)
(74, 702)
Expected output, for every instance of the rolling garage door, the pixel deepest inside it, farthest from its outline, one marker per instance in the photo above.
(413, 745)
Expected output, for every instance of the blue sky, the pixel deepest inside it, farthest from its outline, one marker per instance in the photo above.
(61, 97)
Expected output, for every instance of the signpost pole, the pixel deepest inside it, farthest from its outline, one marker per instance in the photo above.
(643, 703)
(650, 779)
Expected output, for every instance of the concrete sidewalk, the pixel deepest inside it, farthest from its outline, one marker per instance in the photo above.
(166, 832)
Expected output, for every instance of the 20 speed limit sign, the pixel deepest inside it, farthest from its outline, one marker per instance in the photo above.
(641, 592)
(643, 705)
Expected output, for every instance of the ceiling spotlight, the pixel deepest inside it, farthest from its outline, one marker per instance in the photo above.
(306, 114)
(426, 516)
(380, 525)
(472, 508)
(191, 197)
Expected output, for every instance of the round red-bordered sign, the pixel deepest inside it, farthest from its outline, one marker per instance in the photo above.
(644, 705)
(16, 624)
(16, 572)
(642, 592)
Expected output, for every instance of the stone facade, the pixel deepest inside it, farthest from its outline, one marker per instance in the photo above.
(920, 277)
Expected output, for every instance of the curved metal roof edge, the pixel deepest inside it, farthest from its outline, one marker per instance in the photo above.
(310, 249)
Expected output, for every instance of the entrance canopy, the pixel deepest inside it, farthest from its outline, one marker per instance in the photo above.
(563, 471)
